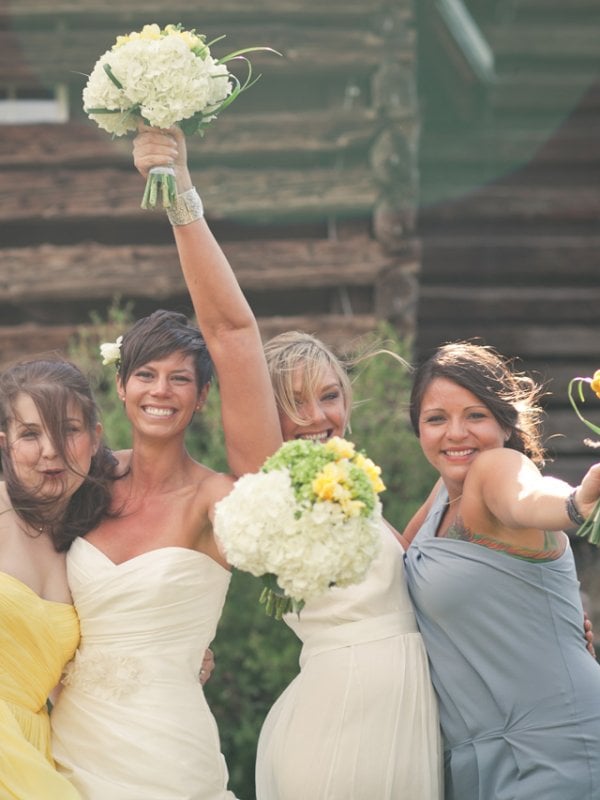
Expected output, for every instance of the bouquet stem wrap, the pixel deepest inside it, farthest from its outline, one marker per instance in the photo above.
(309, 520)
(160, 184)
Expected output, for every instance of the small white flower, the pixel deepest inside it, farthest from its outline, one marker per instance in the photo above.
(111, 351)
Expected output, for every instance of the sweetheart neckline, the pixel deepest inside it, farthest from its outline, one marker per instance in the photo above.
(32, 591)
(151, 552)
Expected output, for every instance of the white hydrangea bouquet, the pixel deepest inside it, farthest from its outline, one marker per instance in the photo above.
(163, 77)
(309, 520)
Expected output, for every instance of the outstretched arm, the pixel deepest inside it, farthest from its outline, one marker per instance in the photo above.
(250, 419)
(519, 496)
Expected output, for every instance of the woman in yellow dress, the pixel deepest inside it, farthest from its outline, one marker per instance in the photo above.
(52, 456)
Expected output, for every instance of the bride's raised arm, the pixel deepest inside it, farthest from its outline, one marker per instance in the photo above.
(248, 409)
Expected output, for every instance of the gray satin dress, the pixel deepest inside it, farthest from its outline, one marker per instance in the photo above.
(519, 693)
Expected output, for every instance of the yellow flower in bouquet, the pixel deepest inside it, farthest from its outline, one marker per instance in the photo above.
(309, 520)
(591, 527)
(162, 77)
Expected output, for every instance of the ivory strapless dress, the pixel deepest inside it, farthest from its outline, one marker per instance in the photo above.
(360, 721)
(132, 722)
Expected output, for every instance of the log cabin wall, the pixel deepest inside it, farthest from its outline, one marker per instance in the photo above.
(309, 180)
(510, 204)
(509, 219)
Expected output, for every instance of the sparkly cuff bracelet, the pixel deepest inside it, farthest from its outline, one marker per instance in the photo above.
(187, 207)
(573, 512)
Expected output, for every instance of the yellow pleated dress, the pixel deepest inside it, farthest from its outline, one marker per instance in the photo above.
(37, 638)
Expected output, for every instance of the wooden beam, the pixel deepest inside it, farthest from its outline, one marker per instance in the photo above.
(523, 340)
(266, 195)
(518, 259)
(128, 13)
(239, 138)
(525, 204)
(339, 332)
(519, 304)
(66, 56)
(535, 40)
(92, 271)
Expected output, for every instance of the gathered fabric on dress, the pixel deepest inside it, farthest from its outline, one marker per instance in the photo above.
(37, 638)
(132, 722)
(360, 720)
(519, 693)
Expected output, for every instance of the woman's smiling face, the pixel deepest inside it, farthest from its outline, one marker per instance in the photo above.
(323, 414)
(454, 427)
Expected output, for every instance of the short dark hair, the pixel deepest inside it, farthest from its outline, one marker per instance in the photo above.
(157, 336)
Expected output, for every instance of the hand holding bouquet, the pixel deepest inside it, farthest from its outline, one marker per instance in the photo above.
(162, 77)
(310, 519)
(591, 527)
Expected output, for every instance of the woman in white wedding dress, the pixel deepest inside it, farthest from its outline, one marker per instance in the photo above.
(360, 720)
(149, 582)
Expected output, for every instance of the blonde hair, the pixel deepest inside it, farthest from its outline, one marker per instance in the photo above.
(287, 352)
(292, 350)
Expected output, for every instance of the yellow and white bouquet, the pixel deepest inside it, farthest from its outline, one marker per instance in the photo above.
(591, 527)
(309, 520)
(162, 76)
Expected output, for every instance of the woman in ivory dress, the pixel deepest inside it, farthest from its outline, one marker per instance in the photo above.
(51, 456)
(149, 582)
(360, 719)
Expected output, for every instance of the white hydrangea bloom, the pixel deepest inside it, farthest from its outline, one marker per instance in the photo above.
(261, 532)
(162, 81)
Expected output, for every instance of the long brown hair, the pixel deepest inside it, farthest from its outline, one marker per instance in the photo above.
(511, 396)
(55, 384)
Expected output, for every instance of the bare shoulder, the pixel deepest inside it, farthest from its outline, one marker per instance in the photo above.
(217, 485)
(123, 461)
(5, 503)
(499, 461)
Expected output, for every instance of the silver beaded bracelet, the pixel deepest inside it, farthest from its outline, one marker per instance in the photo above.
(187, 207)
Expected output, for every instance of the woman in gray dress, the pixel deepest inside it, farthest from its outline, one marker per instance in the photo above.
(493, 582)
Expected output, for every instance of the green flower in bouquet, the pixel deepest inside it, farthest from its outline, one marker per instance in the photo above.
(162, 77)
(309, 520)
(591, 527)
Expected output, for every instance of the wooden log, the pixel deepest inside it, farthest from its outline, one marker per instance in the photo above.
(520, 304)
(545, 91)
(92, 271)
(565, 433)
(65, 55)
(129, 13)
(289, 137)
(247, 195)
(24, 341)
(506, 146)
(573, 41)
(525, 204)
(557, 375)
(515, 259)
(524, 341)
(338, 331)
